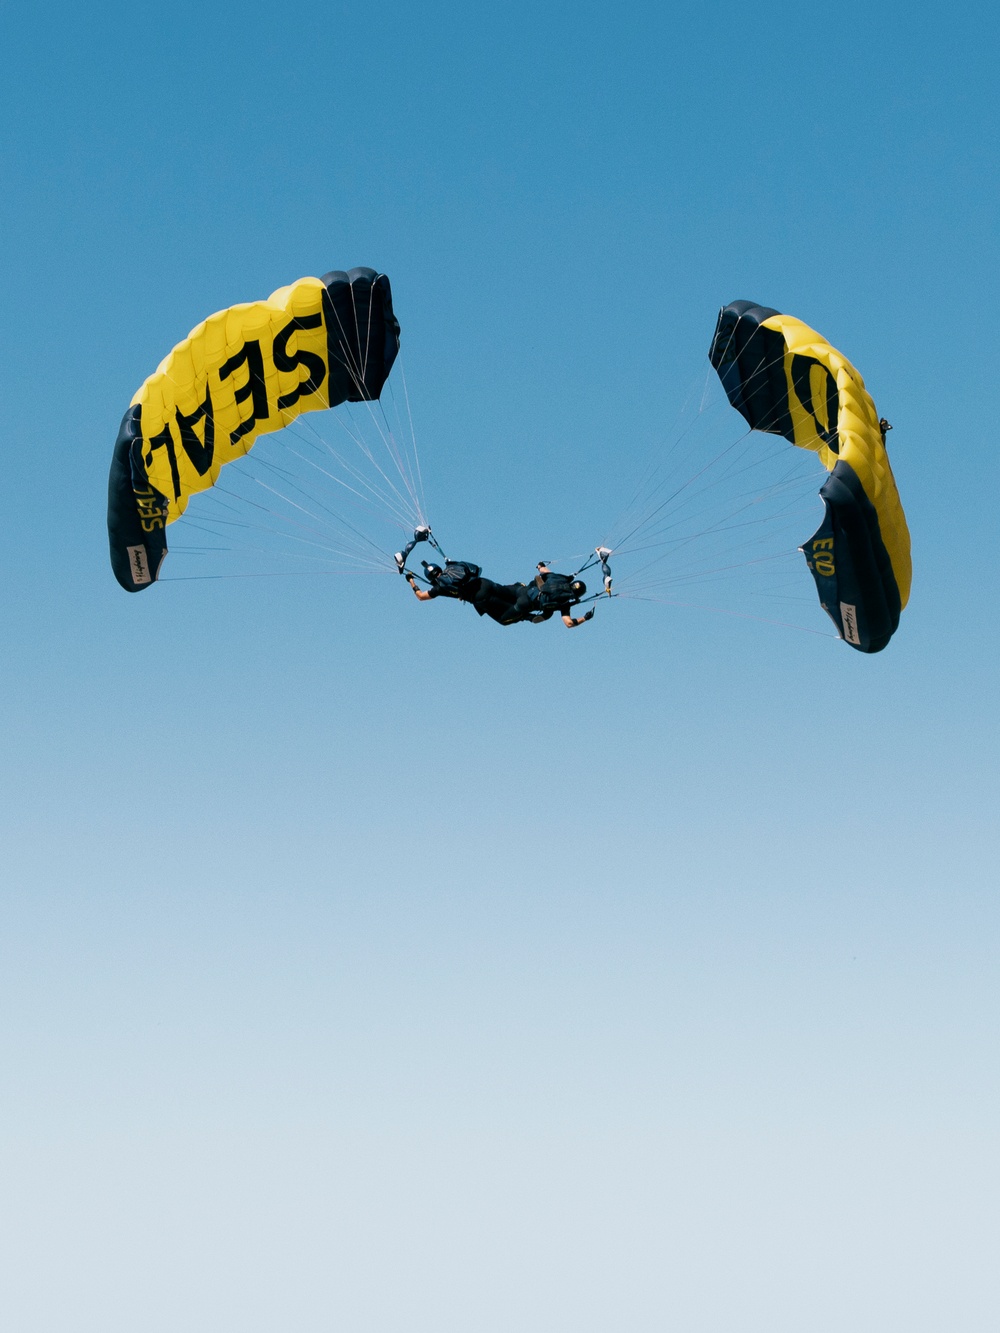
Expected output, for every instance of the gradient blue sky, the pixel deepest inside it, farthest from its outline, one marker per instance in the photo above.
(365, 967)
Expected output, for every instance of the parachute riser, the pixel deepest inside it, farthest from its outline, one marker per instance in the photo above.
(421, 534)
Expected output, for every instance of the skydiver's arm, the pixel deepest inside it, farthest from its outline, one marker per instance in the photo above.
(571, 622)
(419, 593)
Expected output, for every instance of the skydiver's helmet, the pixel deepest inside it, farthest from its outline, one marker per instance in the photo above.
(578, 588)
(433, 572)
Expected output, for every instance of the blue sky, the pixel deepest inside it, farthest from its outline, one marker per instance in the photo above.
(364, 966)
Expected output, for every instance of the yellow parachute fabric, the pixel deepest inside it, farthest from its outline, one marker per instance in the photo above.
(857, 429)
(229, 361)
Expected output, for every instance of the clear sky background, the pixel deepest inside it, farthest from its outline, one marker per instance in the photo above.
(364, 966)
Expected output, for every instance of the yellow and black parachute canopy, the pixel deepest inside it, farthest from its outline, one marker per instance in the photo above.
(786, 379)
(241, 373)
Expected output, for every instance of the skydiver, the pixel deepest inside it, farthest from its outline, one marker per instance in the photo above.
(506, 603)
(556, 592)
(884, 427)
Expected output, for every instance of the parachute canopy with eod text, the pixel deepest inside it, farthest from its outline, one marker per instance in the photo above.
(785, 379)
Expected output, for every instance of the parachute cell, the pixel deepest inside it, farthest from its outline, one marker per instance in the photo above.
(241, 373)
(784, 378)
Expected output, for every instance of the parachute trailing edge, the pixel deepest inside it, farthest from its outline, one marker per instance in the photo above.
(784, 378)
(241, 373)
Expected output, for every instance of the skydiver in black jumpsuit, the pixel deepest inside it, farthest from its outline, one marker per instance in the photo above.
(506, 603)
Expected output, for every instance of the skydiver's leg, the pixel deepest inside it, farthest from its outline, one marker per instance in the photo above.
(526, 600)
(498, 601)
(521, 602)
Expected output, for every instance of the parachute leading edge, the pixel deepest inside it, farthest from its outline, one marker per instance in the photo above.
(786, 379)
(241, 373)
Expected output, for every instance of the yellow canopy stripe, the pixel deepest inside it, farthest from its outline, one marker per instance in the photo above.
(857, 428)
(240, 373)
